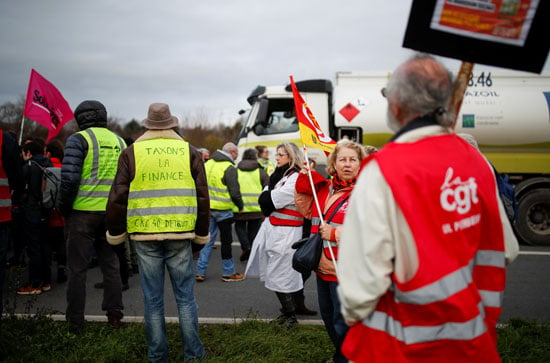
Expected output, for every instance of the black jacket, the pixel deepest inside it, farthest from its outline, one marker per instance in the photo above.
(33, 176)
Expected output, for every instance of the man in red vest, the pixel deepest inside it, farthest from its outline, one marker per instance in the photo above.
(11, 187)
(425, 240)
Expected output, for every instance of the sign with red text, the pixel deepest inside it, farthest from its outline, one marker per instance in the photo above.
(503, 33)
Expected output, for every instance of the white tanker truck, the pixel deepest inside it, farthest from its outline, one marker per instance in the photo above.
(507, 112)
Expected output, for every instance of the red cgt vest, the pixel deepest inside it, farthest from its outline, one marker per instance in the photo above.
(449, 310)
(336, 221)
(5, 195)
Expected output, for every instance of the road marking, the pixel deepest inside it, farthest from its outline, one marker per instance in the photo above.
(534, 253)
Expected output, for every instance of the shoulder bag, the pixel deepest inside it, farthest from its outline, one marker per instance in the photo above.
(308, 250)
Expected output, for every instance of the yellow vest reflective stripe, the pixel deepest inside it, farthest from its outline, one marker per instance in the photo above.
(251, 188)
(268, 165)
(220, 199)
(162, 196)
(99, 168)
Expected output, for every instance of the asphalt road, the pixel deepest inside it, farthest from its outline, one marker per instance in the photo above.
(526, 296)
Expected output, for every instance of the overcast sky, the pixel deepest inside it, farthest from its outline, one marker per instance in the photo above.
(200, 57)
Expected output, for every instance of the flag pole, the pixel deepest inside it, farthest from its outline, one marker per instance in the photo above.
(460, 86)
(21, 130)
(316, 199)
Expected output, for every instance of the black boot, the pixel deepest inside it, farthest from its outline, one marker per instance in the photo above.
(299, 300)
(288, 318)
(61, 276)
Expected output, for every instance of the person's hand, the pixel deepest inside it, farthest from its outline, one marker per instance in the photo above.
(325, 230)
(305, 168)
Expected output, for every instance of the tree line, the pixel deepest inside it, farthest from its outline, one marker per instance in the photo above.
(198, 131)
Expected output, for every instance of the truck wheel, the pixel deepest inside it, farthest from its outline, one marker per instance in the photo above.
(533, 223)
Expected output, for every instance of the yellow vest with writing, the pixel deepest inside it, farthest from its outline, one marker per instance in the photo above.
(220, 199)
(251, 188)
(163, 197)
(99, 169)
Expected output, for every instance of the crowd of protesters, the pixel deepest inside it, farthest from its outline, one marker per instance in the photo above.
(392, 284)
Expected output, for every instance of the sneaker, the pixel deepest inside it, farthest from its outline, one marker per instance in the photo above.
(199, 278)
(29, 290)
(125, 287)
(234, 277)
(46, 287)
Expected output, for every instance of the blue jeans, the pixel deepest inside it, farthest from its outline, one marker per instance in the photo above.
(153, 257)
(329, 305)
(219, 220)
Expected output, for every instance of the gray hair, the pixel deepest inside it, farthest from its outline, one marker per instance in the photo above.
(230, 147)
(294, 154)
(422, 85)
(250, 154)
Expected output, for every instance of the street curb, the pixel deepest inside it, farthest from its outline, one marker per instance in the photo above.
(139, 319)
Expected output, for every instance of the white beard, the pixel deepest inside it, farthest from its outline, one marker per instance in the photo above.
(392, 122)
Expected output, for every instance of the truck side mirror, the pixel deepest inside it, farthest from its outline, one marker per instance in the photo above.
(262, 113)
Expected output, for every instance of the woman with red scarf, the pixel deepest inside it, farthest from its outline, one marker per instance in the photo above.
(343, 166)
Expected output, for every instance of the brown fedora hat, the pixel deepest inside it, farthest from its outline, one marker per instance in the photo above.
(159, 117)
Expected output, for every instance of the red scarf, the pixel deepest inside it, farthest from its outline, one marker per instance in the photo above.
(339, 185)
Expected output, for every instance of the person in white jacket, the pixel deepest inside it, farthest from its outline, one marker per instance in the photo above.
(271, 255)
(425, 239)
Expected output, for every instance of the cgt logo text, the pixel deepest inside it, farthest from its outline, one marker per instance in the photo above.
(458, 196)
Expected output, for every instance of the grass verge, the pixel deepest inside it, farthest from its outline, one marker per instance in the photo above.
(40, 339)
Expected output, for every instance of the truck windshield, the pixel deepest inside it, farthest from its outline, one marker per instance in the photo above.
(280, 118)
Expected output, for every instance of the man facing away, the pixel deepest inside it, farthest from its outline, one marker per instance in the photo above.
(224, 190)
(160, 198)
(425, 240)
(89, 167)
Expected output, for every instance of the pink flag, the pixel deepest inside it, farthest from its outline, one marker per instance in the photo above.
(46, 105)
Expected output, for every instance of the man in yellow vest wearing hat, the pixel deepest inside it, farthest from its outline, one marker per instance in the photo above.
(160, 198)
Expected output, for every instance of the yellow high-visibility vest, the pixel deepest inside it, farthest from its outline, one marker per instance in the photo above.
(99, 168)
(163, 196)
(251, 188)
(220, 199)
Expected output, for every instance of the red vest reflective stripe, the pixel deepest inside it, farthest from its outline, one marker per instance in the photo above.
(5, 195)
(336, 221)
(289, 216)
(448, 311)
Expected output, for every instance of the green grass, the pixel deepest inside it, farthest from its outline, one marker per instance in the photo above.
(40, 339)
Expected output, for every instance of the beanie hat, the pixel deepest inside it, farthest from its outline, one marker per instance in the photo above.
(90, 113)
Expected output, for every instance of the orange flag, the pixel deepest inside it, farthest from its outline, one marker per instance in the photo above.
(310, 131)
